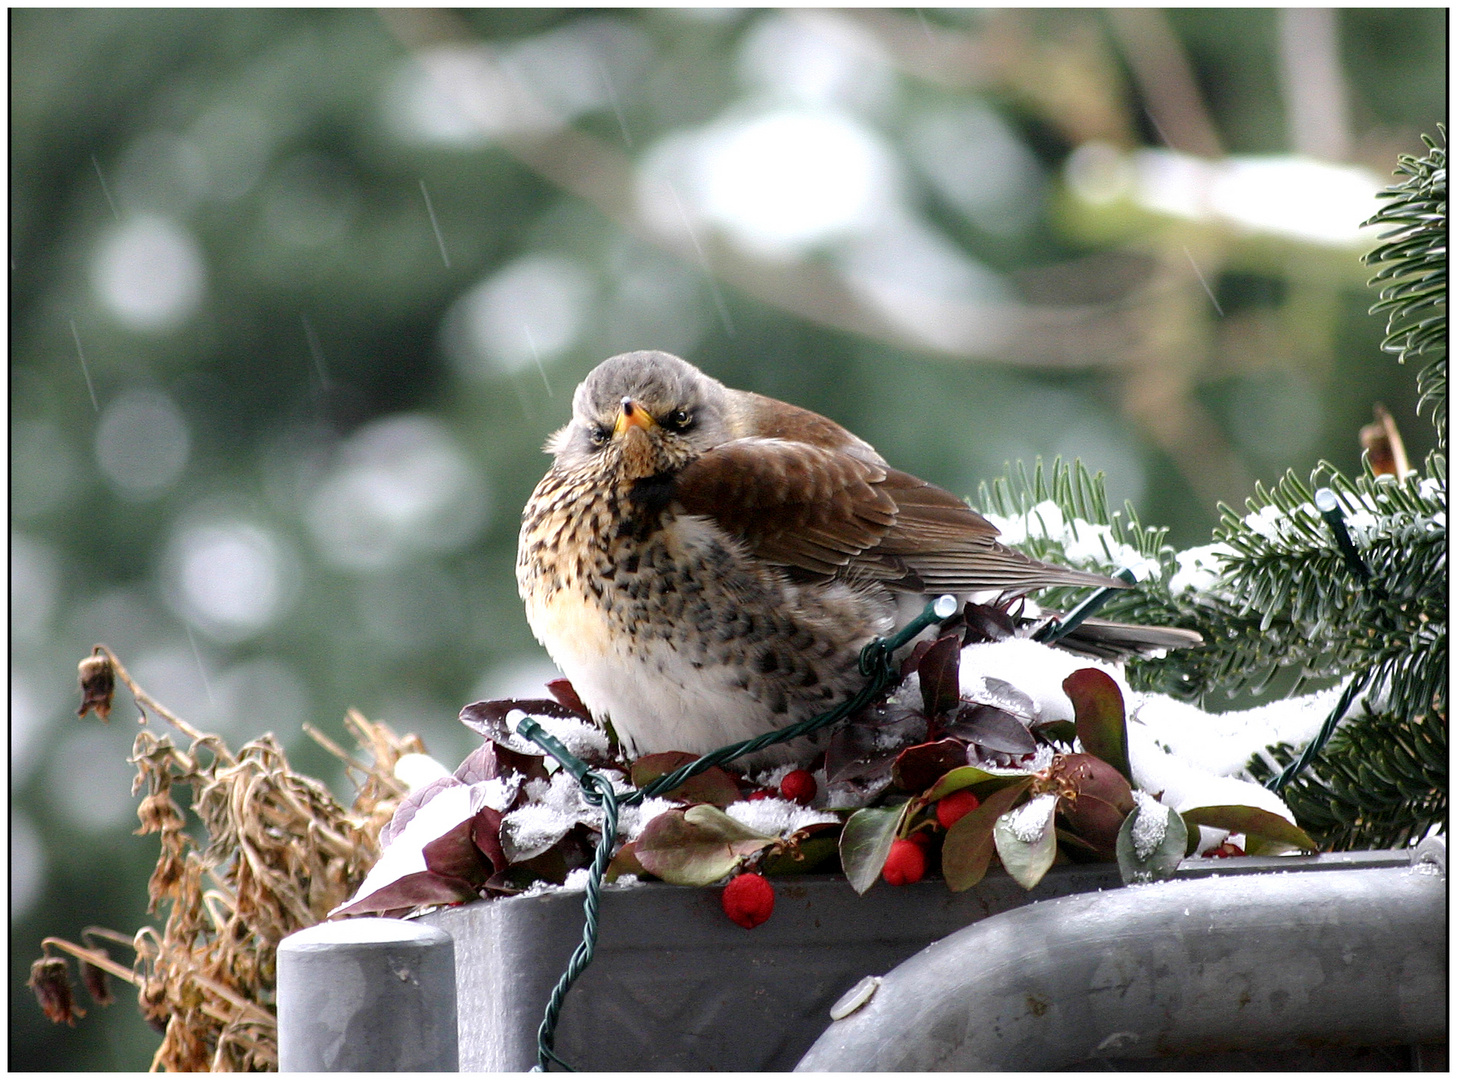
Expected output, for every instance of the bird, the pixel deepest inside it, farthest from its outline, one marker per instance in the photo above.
(704, 564)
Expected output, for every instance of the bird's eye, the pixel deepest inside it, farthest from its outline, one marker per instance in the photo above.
(679, 420)
(598, 435)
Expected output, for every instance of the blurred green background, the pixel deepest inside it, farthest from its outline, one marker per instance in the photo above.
(296, 296)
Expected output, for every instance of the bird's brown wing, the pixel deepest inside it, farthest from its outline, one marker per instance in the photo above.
(756, 416)
(794, 504)
(828, 513)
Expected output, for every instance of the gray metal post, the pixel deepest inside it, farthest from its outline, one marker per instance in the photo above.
(367, 995)
(1250, 962)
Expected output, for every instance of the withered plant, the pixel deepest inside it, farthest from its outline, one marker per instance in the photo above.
(280, 853)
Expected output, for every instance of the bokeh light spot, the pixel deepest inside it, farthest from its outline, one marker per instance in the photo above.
(230, 578)
(150, 273)
(533, 310)
(142, 443)
(401, 487)
(785, 181)
(27, 865)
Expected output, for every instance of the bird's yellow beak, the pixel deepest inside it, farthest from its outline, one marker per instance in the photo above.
(633, 415)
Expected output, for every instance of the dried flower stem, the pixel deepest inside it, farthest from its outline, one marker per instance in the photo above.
(94, 957)
(145, 700)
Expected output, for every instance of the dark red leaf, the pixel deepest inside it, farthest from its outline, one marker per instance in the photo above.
(564, 692)
(1094, 798)
(485, 832)
(864, 749)
(454, 854)
(991, 727)
(410, 891)
(918, 767)
(985, 623)
(910, 663)
(710, 786)
(1265, 833)
(939, 671)
(1098, 711)
(491, 759)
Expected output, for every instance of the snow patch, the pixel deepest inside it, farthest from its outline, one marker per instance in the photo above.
(1200, 568)
(1150, 826)
(1035, 669)
(405, 854)
(1083, 543)
(632, 820)
(1028, 823)
(417, 770)
(777, 817)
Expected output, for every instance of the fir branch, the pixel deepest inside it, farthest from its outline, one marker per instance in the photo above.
(1382, 782)
(1285, 602)
(1413, 272)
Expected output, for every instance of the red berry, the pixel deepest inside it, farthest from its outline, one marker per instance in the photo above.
(921, 838)
(762, 793)
(748, 900)
(956, 806)
(906, 863)
(798, 786)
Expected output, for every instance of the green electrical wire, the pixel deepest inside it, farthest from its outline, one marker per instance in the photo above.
(876, 664)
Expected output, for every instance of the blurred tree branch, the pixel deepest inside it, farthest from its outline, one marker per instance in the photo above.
(1155, 357)
(1165, 80)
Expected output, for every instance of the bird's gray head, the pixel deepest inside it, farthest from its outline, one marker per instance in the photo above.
(658, 410)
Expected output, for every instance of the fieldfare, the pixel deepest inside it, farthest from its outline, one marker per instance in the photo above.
(705, 564)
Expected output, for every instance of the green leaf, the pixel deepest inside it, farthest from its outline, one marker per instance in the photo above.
(1098, 710)
(1152, 858)
(964, 777)
(713, 785)
(865, 843)
(967, 849)
(696, 846)
(1273, 833)
(1026, 841)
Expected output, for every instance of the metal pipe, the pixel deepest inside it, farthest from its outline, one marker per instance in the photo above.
(367, 995)
(1249, 962)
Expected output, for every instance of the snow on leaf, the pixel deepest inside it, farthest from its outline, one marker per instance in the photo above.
(1149, 826)
(1025, 839)
(1151, 843)
(778, 817)
(404, 854)
(494, 720)
(410, 805)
